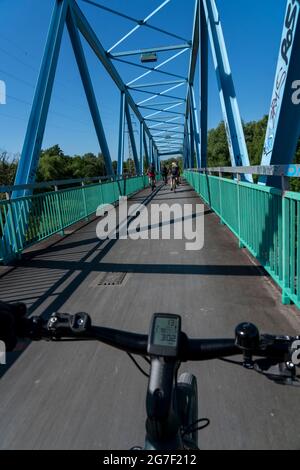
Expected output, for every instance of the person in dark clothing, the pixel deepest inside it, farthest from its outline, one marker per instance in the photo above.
(164, 173)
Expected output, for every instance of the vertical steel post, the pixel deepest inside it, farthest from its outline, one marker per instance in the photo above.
(141, 148)
(285, 242)
(192, 137)
(146, 147)
(88, 88)
(132, 139)
(27, 167)
(195, 127)
(241, 244)
(59, 211)
(283, 127)
(232, 118)
(203, 85)
(84, 200)
(121, 135)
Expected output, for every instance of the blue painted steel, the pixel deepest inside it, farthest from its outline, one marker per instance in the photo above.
(203, 86)
(188, 142)
(192, 138)
(94, 42)
(164, 122)
(195, 127)
(141, 148)
(165, 103)
(151, 151)
(132, 139)
(121, 135)
(149, 50)
(146, 147)
(168, 82)
(139, 22)
(231, 114)
(37, 121)
(170, 153)
(149, 69)
(162, 64)
(88, 87)
(284, 116)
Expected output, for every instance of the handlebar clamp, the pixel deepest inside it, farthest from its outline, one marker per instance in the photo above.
(64, 323)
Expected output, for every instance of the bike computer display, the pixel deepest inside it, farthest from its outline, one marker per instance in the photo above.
(164, 335)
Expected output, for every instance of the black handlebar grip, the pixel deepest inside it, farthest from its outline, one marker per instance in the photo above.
(11, 318)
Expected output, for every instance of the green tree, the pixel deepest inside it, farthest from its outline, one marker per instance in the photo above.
(8, 168)
(255, 132)
(217, 147)
(53, 165)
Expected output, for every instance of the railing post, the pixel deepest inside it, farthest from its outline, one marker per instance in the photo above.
(220, 195)
(59, 211)
(84, 200)
(12, 228)
(241, 244)
(285, 243)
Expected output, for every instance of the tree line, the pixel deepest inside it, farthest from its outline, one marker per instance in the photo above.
(54, 164)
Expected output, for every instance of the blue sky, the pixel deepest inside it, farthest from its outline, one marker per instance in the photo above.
(252, 30)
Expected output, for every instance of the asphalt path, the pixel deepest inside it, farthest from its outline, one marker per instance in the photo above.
(86, 395)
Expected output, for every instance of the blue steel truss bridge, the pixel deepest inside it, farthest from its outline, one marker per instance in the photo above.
(248, 268)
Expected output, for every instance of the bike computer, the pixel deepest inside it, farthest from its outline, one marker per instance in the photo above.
(163, 339)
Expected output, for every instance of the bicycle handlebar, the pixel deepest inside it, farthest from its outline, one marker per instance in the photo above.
(63, 326)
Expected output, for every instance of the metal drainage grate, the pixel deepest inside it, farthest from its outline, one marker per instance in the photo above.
(111, 279)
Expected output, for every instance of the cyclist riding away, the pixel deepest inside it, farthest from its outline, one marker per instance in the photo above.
(174, 175)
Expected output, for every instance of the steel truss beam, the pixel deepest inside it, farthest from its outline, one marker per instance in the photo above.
(132, 139)
(38, 116)
(88, 87)
(195, 126)
(159, 66)
(150, 69)
(139, 23)
(92, 39)
(146, 147)
(165, 103)
(233, 123)
(162, 93)
(141, 148)
(170, 153)
(283, 129)
(121, 135)
(152, 49)
(203, 87)
(149, 85)
(162, 122)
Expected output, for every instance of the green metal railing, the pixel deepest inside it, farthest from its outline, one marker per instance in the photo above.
(265, 220)
(27, 220)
